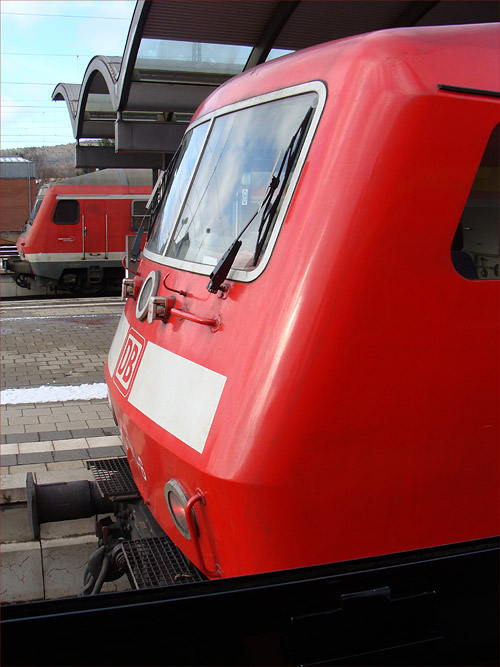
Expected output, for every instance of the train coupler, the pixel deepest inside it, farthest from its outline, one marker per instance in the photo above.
(144, 553)
(62, 501)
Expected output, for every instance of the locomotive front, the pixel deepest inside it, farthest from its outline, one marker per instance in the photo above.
(190, 369)
(291, 375)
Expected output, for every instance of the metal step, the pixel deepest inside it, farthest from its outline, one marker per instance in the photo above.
(7, 251)
(114, 479)
(156, 561)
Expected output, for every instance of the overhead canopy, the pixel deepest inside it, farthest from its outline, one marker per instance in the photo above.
(179, 51)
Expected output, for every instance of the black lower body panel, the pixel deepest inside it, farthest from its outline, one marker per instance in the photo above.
(428, 607)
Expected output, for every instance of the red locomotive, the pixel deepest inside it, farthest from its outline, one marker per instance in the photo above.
(306, 370)
(75, 238)
(305, 376)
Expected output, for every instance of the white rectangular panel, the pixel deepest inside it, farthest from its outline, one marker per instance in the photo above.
(177, 394)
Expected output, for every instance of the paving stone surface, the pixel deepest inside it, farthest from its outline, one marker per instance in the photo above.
(59, 342)
(56, 342)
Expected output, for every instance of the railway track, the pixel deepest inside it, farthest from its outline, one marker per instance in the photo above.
(41, 307)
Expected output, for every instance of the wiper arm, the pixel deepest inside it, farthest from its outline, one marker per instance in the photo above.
(160, 189)
(153, 205)
(223, 266)
(219, 274)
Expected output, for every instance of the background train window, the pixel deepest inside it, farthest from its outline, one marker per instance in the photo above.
(140, 213)
(476, 245)
(67, 212)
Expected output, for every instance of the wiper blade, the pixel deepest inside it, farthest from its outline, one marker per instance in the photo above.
(153, 205)
(223, 266)
(136, 248)
(159, 190)
(287, 164)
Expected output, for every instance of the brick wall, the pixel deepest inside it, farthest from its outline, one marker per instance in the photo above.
(14, 202)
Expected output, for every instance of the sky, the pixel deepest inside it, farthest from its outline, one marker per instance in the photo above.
(46, 43)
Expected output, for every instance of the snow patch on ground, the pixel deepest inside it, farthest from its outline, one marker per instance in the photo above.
(53, 394)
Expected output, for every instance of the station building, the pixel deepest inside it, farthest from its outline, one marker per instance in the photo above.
(17, 194)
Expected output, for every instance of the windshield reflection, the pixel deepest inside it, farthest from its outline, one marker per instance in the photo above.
(242, 151)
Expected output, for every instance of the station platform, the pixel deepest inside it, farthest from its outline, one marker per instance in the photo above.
(53, 438)
(52, 348)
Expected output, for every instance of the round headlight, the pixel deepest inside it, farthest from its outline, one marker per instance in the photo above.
(177, 500)
(149, 288)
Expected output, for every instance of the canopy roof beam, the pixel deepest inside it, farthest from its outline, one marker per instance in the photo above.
(281, 15)
(104, 157)
(148, 137)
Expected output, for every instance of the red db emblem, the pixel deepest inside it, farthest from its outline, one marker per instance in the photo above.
(128, 363)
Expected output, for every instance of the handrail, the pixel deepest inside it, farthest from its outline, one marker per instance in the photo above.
(208, 321)
(198, 497)
(162, 307)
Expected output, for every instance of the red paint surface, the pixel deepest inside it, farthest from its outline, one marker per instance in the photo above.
(360, 411)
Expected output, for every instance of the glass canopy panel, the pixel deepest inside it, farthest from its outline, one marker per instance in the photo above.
(277, 53)
(99, 102)
(171, 55)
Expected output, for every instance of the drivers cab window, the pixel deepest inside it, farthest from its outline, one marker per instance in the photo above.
(140, 214)
(232, 182)
(475, 248)
(67, 212)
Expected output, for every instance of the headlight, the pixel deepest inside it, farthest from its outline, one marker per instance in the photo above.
(149, 288)
(177, 500)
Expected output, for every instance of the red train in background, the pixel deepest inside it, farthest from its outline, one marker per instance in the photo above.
(75, 238)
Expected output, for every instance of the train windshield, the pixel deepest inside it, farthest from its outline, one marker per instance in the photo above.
(230, 180)
(35, 208)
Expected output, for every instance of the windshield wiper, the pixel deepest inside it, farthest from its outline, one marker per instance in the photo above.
(219, 274)
(160, 189)
(270, 206)
(153, 204)
(287, 164)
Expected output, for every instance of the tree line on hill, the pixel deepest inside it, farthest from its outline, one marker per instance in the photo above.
(52, 162)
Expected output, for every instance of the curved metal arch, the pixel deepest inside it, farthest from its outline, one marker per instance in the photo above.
(105, 75)
(102, 73)
(110, 103)
(70, 93)
(100, 78)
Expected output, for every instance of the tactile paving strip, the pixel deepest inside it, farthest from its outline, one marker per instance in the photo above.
(114, 478)
(156, 561)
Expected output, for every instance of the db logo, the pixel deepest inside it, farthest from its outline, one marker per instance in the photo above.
(128, 363)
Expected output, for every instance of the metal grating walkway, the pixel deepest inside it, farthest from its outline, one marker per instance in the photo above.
(114, 478)
(156, 561)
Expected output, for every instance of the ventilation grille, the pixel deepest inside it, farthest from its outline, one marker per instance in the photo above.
(156, 561)
(114, 478)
